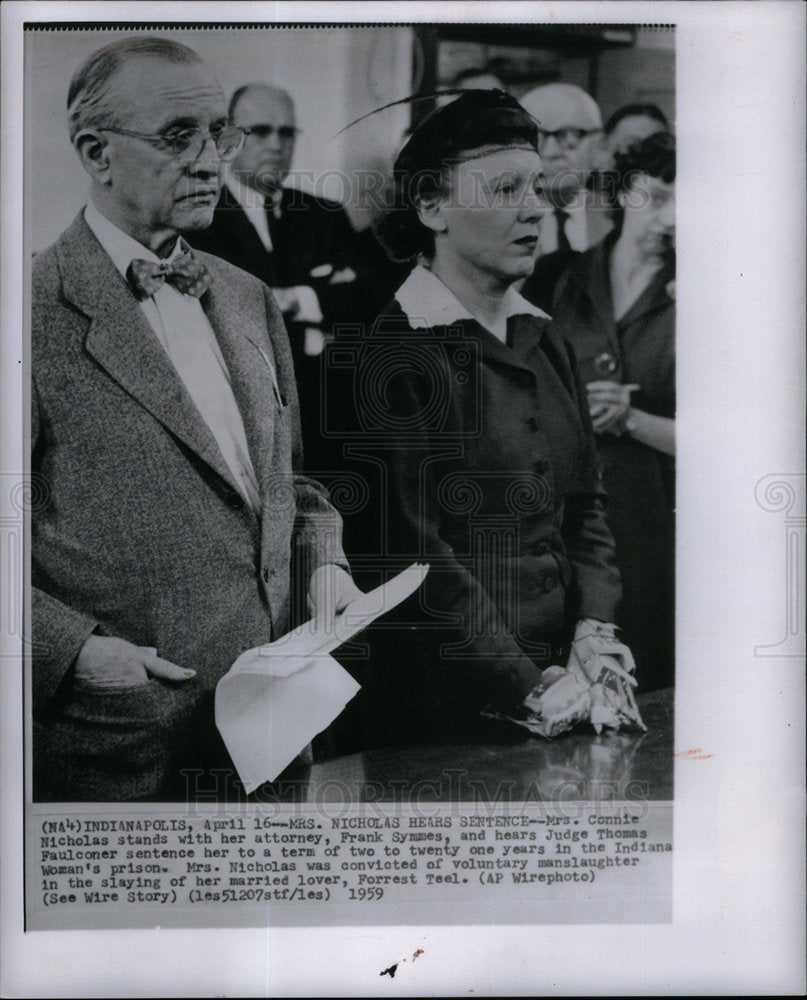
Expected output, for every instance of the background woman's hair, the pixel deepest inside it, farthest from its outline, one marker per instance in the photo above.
(650, 157)
(654, 156)
(637, 111)
(476, 119)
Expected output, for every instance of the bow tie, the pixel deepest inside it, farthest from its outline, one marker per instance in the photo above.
(185, 272)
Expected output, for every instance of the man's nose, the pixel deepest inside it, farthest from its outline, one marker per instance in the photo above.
(550, 147)
(208, 162)
(667, 214)
(272, 141)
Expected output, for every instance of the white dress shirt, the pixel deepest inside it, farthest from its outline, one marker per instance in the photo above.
(185, 333)
(254, 204)
(576, 226)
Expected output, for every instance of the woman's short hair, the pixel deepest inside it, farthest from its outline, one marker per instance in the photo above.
(654, 156)
(651, 157)
(87, 104)
(476, 119)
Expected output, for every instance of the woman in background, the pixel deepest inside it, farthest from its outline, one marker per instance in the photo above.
(473, 438)
(615, 304)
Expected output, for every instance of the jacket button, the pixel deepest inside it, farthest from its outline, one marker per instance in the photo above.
(532, 423)
(550, 582)
(542, 548)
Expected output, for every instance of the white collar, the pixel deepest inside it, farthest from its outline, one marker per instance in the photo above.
(120, 246)
(249, 199)
(427, 302)
(578, 204)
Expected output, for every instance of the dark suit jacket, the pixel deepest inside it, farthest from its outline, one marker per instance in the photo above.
(143, 534)
(312, 234)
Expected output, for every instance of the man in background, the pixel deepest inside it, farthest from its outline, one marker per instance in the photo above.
(571, 148)
(302, 246)
(570, 144)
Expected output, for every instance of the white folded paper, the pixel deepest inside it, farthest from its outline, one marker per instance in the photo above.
(275, 699)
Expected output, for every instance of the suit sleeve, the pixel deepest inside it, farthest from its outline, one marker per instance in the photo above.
(354, 303)
(318, 525)
(58, 632)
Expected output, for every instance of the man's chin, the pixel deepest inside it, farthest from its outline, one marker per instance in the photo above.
(198, 217)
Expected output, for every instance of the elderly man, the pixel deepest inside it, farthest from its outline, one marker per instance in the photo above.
(165, 425)
(302, 246)
(570, 147)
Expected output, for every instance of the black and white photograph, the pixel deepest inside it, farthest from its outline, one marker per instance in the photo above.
(360, 545)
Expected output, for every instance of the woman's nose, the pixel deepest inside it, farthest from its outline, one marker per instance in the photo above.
(534, 205)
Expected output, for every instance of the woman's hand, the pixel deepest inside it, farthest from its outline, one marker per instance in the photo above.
(611, 413)
(609, 406)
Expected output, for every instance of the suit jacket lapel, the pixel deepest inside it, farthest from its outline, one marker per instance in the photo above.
(251, 372)
(590, 273)
(653, 297)
(495, 352)
(124, 345)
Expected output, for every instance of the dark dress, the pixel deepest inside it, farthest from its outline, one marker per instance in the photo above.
(478, 458)
(639, 480)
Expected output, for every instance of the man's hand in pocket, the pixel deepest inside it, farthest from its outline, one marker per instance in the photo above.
(105, 661)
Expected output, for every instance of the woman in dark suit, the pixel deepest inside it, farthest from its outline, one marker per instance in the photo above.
(472, 438)
(616, 305)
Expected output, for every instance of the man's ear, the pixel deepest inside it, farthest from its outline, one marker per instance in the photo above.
(431, 212)
(93, 151)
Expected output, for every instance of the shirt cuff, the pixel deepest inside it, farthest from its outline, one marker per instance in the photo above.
(309, 310)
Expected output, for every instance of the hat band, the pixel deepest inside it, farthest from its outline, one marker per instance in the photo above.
(490, 150)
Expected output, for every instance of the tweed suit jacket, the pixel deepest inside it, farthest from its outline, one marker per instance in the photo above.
(143, 534)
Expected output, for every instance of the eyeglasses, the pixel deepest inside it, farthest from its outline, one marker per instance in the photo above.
(567, 138)
(284, 132)
(189, 142)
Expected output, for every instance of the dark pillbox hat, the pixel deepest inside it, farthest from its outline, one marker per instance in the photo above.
(475, 119)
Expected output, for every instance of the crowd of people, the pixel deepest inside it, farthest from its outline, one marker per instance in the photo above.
(212, 349)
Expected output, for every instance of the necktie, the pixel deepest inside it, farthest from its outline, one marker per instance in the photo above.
(273, 215)
(563, 240)
(185, 272)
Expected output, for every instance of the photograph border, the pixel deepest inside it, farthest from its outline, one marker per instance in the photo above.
(746, 717)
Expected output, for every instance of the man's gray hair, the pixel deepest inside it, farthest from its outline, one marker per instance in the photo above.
(87, 104)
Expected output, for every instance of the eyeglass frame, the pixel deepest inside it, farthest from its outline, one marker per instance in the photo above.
(579, 134)
(165, 137)
(284, 132)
